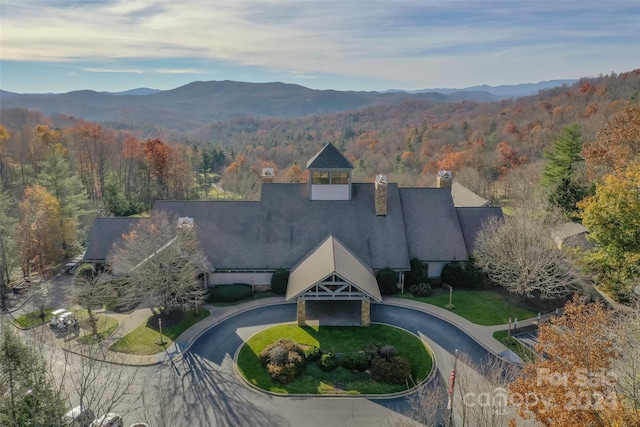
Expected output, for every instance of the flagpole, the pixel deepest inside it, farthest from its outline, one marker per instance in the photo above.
(452, 384)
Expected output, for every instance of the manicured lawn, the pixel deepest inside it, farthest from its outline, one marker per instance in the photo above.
(145, 338)
(337, 339)
(516, 346)
(482, 307)
(32, 319)
(106, 326)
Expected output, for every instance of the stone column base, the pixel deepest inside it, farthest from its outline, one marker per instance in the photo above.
(301, 312)
(365, 319)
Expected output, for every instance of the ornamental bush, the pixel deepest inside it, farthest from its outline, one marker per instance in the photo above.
(387, 281)
(312, 353)
(328, 362)
(453, 274)
(421, 290)
(387, 351)
(279, 281)
(284, 360)
(396, 370)
(230, 293)
(356, 361)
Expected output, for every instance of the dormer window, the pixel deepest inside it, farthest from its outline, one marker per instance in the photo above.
(325, 177)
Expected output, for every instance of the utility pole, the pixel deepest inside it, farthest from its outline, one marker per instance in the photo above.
(452, 384)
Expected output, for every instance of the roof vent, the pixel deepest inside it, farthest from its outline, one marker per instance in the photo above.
(185, 222)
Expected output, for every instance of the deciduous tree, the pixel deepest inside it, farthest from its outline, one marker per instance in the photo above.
(160, 264)
(519, 254)
(39, 230)
(574, 383)
(611, 215)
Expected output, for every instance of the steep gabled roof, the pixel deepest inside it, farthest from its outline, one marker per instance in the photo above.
(471, 221)
(329, 158)
(431, 224)
(104, 234)
(328, 258)
(280, 229)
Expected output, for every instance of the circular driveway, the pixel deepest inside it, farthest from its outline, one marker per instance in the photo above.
(206, 392)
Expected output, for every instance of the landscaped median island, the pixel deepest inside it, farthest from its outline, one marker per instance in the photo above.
(482, 307)
(146, 338)
(335, 359)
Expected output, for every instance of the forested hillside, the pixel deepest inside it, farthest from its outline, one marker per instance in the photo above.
(74, 170)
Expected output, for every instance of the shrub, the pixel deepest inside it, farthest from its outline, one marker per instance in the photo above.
(474, 276)
(421, 290)
(417, 274)
(356, 361)
(279, 281)
(453, 274)
(371, 351)
(312, 354)
(387, 281)
(328, 362)
(396, 370)
(230, 293)
(286, 344)
(284, 360)
(387, 351)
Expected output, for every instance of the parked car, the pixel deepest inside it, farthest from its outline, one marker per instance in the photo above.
(108, 420)
(78, 417)
(64, 322)
(56, 314)
(139, 425)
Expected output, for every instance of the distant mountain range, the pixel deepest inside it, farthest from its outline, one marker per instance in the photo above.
(199, 103)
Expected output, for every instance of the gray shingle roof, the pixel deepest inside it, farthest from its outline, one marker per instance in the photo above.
(471, 220)
(329, 158)
(432, 228)
(280, 229)
(104, 233)
(328, 258)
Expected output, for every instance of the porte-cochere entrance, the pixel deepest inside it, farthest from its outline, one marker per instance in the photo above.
(335, 284)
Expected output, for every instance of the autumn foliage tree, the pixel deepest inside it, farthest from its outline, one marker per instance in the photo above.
(613, 219)
(617, 145)
(573, 382)
(40, 233)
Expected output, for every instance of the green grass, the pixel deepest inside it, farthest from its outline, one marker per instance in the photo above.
(32, 319)
(338, 339)
(106, 326)
(482, 307)
(516, 346)
(145, 338)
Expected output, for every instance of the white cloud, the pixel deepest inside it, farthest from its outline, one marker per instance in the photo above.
(407, 44)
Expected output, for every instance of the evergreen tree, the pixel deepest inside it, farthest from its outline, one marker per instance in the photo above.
(562, 172)
(57, 178)
(27, 395)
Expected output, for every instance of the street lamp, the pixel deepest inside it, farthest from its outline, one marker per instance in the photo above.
(160, 342)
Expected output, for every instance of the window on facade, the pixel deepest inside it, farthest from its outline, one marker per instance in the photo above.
(340, 177)
(320, 178)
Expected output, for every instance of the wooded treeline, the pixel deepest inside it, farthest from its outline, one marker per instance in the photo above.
(74, 170)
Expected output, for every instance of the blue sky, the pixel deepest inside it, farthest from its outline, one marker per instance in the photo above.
(115, 45)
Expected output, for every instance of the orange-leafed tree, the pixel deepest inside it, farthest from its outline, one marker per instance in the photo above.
(617, 145)
(573, 382)
(40, 232)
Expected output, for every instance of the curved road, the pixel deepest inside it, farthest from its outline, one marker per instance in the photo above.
(204, 391)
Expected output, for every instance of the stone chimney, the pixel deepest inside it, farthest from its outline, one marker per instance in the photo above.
(267, 175)
(381, 195)
(444, 179)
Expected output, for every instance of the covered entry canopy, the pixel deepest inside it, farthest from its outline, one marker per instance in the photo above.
(331, 271)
